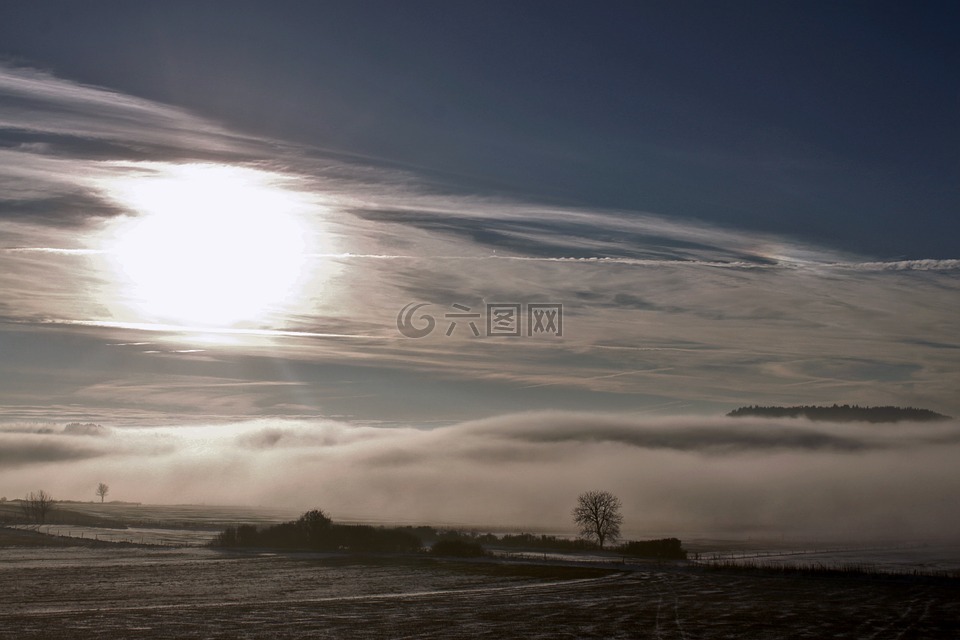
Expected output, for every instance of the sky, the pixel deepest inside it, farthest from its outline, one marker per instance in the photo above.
(284, 245)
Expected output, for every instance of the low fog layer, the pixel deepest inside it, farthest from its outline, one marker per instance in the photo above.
(674, 475)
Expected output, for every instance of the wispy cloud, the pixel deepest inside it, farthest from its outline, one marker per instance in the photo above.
(714, 436)
(903, 265)
(53, 250)
(37, 102)
(658, 312)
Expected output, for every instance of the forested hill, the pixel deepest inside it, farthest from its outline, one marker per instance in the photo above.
(842, 413)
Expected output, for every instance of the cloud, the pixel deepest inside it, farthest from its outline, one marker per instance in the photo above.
(37, 102)
(40, 447)
(531, 232)
(295, 435)
(657, 311)
(677, 476)
(57, 137)
(705, 435)
(19, 454)
(903, 265)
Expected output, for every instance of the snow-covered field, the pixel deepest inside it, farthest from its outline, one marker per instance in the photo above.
(168, 525)
(194, 515)
(136, 535)
(186, 590)
(903, 558)
(127, 592)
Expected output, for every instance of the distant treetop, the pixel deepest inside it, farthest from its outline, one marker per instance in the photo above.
(842, 413)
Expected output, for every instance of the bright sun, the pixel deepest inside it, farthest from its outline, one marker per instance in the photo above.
(208, 244)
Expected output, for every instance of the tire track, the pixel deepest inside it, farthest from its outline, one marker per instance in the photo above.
(320, 600)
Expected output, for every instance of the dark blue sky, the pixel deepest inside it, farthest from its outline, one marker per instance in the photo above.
(834, 122)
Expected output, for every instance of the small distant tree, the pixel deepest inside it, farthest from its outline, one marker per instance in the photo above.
(102, 491)
(598, 516)
(37, 505)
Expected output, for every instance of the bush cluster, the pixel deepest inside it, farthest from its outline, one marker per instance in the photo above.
(666, 548)
(458, 548)
(315, 531)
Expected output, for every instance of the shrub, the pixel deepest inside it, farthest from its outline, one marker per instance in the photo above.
(666, 548)
(244, 535)
(315, 531)
(458, 548)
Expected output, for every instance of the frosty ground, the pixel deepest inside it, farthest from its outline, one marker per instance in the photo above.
(107, 590)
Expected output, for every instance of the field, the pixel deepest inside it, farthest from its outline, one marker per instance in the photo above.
(174, 525)
(136, 592)
(189, 516)
(70, 587)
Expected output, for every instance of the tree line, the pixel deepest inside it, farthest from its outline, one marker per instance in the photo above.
(841, 413)
(597, 514)
(315, 531)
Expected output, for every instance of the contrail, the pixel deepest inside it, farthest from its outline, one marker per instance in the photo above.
(54, 250)
(899, 265)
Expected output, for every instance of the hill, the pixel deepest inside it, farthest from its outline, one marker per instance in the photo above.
(842, 413)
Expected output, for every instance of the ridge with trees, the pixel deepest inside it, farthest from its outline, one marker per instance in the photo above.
(841, 413)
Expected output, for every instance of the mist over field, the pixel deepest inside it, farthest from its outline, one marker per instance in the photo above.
(701, 475)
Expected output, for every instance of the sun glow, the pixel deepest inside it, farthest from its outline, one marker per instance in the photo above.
(208, 244)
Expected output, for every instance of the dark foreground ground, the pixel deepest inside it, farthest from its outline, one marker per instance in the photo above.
(97, 592)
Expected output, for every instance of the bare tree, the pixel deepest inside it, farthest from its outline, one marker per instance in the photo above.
(37, 505)
(598, 515)
(102, 490)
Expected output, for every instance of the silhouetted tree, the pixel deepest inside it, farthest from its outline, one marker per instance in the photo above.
(315, 525)
(37, 505)
(102, 491)
(598, 515)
